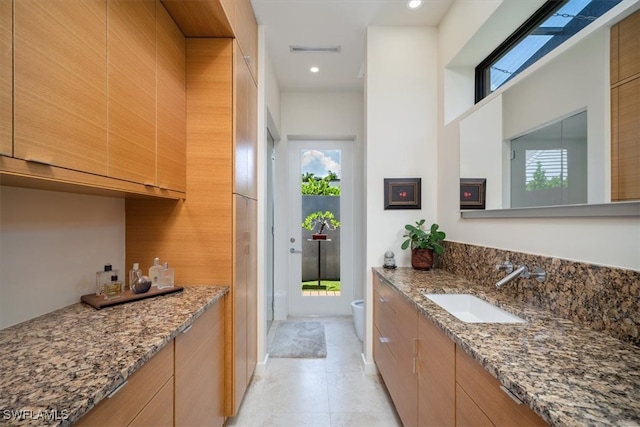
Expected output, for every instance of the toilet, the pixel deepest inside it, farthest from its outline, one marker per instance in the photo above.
(357, 310)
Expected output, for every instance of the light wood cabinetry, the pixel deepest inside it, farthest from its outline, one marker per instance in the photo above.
(6, 85)
(436, 376)
(431, 380)
(246, 104)
(484, 391)
(199, 371)
(396, 321)
(209, 238)
(153, 381)
(625, 109)
(89, 115)
(60, 83)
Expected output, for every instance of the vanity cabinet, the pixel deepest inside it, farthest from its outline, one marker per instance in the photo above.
(481, 401)
(625, 109)
(431, 380)
(199, 371)
(143, 397)
(99, 98)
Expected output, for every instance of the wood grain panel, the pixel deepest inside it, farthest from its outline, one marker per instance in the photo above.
(199, 372)
(615, 187)
(131, 55)
(6, 77)
(629, 46)
(159, 411)
(240, 298)
(468, 414)
(614, 58)
(247, 33)
(124, 406)
(485, 391)
(195, 235)
(171, 103)
(627, 142)
(241, 123)
(436, 376)
(200, 18)
(251, 234)
(252, 146)
(60, 83)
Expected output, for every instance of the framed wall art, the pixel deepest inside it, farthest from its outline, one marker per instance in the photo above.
(472, 193)
(402, 193)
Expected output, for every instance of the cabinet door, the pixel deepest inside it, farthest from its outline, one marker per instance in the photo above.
(159, 411)
(252, 287)
(485, 391)
(132, 90)
(199, 372)
(171, 115)
(241, 121)
(6, 84)
(436, 376)
(60, 83)
(139, 390)
(468, 414)
(625, 141)
(240, 297)
(625, 54)
(246, 29)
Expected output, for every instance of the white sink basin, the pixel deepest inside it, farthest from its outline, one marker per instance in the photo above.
(472, 309)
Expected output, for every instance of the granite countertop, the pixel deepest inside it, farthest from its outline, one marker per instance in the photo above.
(56, 367)
(568, 374)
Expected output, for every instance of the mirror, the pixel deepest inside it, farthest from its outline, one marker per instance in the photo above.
(564, 99)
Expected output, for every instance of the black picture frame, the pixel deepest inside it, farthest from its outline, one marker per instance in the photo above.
(472, 193)
(402, 193)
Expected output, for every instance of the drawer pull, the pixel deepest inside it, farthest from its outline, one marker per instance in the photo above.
(39, 161)
(384, 340)
(187, 328)
(382, 300)
(113, 393)
(511, 395)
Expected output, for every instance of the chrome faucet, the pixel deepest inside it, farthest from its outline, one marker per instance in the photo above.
(521, 271)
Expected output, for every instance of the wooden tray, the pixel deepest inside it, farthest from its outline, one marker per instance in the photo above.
(99, 302)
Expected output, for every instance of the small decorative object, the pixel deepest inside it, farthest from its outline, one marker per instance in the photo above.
(141, 285)
(423, 244)
(389, 260)
(472, 193)
(321, 221)
(402, 193)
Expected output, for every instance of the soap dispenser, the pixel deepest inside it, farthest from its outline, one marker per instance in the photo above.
(154, 272)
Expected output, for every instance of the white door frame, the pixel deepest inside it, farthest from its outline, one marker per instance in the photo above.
(299, 305)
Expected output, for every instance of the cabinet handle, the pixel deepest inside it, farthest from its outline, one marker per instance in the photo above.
(384, 340)
(511, 395)
(39, 161)
(415, 366)
(187, 328)
(415, 347)
(382, 300)
(113, 393)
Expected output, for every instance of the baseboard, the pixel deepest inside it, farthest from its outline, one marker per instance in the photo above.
(369, 368)
(261, 367)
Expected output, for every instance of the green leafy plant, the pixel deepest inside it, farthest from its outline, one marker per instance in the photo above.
(316, 186)
(323, 219)
(417, 238)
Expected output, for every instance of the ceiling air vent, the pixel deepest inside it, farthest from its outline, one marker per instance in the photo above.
(314, 49)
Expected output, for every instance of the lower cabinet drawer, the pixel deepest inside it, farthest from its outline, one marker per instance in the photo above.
(158, 412)
(124, 406)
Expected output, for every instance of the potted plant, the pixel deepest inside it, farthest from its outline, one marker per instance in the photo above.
(423, 244)
(321, 221)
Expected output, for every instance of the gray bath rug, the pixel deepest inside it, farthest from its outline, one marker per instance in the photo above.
(303, 340)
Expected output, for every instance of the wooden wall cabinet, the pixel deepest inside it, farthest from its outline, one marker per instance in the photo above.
(199, 371)
(142, 398)
(6, 84)
(87, 106)
(625, 109)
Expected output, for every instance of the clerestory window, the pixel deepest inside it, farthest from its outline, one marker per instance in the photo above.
(551, 25)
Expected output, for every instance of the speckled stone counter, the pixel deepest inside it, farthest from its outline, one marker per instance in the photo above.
(56, 367)
(570, 375)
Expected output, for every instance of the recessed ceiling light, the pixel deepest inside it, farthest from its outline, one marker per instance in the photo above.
(314, 69)
(414, 4)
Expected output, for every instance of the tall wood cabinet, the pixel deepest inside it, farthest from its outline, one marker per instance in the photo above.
(209, 238)
(625, 109)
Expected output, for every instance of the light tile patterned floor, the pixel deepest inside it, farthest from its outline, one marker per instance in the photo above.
(331, 392)
(310, 293)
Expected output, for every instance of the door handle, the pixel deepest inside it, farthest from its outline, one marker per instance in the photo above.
(294, 251)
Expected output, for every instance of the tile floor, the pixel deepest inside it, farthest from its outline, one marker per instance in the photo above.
(331, 392)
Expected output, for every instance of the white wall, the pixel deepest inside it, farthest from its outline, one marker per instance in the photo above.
(323, 115)
(607, 241)
(51, 245)
(401, 127)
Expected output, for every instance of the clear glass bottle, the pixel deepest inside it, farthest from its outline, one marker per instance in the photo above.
(166, 277)
(154, 272)
(104, 277)
(114, 288)
(134, 273)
